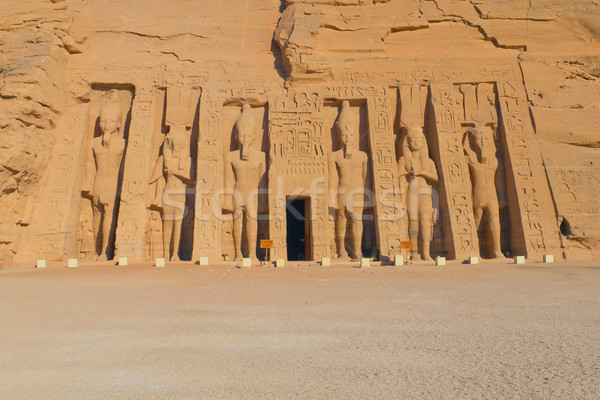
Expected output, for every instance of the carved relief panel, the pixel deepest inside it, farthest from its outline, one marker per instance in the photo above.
(298, 167)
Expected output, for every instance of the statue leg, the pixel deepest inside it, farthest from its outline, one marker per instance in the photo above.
(357, 230)
(237, 234)
(413, 225)
(251, 233)
(340, 233)
(106, 228)
(167, 232)
(176, 238)
(425, 213)
(478, 212)
(97, 223)
(494, 226)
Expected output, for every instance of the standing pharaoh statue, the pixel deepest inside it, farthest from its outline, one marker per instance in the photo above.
(244, 170)
(480, 152)
(347, 170)
(176, 171)
(102, 169)
(418, 174)
(172, 172)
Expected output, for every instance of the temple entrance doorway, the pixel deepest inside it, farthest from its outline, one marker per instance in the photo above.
(298, 229)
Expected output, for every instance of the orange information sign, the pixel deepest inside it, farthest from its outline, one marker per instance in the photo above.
(266, 244)
(406, 244)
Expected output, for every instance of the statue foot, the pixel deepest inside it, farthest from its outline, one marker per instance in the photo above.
(427, 258)
(175, 258)
(237, 258)
(102, 258)
(342, 257)
(498, 254)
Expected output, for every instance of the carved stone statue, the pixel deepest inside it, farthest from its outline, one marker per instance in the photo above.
(176, 172)
(244, 170)
(417, 173)
(347, 170)
(102, 168)
(480, 151)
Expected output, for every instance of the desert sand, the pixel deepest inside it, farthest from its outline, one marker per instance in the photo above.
(301, 332)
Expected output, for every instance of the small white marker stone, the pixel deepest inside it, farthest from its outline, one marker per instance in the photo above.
(520, 260)
(246, 262)
(548, 258)
(325, 262)
(280, 263)
(365, 262)
(203, 261)
(398, 260)
(473, 260)
(41, 264)
(123, 261)
(160, 263)
(440, 261)
(73, 263)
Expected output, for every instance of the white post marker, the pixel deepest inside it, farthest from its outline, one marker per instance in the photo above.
(520, 260)
(123, 261)
(440, 261)
(473, 260)
(365, 262)
(280, 263)
(548, 258)
(41, 264)
(160, 263)
(325, 262)
(203, 261)
(72, 263)
(398, 260)
(246, 262)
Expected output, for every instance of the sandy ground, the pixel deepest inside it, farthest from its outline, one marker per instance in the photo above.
(303, 332)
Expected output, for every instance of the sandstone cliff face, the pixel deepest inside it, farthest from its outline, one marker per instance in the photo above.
(52, 54)
(35, 45)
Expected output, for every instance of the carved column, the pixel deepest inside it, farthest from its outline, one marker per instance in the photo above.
(209, 180)
(136, 172)
(389, 210)
(51, 225)
(534, 227)
(460, 233)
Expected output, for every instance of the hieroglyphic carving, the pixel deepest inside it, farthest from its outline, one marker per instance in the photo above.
(533, 235)
(423, 74)
(209, 180)
(136, 172)
(298, 165)
(52, 229)
(389, 210)
(460, 234)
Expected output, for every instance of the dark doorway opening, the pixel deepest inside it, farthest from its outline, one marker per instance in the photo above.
(298, 229)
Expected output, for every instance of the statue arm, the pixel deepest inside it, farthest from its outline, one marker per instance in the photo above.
(430, 173)
(468, 151)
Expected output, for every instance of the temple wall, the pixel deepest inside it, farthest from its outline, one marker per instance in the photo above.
(532, 66)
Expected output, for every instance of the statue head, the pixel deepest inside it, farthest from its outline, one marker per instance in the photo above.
(415, 138)
(481, 138)
(346, 126)
(110, 117)
(244, 129)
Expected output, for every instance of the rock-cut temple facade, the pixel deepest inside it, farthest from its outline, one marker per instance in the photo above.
(337, 129)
